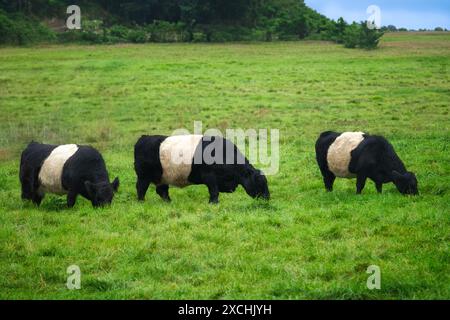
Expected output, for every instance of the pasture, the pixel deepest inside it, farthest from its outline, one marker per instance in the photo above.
(303, 244)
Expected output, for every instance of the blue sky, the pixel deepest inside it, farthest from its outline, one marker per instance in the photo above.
(411, 14)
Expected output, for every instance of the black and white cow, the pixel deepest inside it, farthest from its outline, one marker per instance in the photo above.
(360, 155)
(65, 169)
(179, 161)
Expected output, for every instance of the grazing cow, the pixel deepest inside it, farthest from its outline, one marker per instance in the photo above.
(180, 161)
(66, 169)
(360, 155)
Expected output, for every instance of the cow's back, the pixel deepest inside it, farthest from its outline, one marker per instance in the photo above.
(339, 153)
(176, 156)
(50, 175)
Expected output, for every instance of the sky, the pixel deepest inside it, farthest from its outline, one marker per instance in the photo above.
(411, 14)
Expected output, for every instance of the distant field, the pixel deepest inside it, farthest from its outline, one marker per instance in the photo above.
(304, 244)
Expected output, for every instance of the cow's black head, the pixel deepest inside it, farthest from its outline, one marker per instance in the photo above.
(101, 193)
(255, 184)
(406, 182)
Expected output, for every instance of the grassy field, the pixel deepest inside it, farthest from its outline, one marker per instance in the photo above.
(303, 244)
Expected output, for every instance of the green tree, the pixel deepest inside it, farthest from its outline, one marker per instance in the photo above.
(369, 38)
(341, 26)
(352, 35)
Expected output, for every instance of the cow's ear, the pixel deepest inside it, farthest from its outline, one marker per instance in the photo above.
(397, 175)
(249, 172)
(90, 188)
(115, 184)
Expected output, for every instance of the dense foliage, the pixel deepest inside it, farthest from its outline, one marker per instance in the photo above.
(359, 35)
(174, 21)
(18, 29)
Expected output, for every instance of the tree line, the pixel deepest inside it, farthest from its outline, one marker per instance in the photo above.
(111, 21)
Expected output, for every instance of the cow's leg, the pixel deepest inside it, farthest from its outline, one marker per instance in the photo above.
(328, 179)
(142, 187)
(27, 188)
(163, 191)
(377, 179)
(36, 194)
(36, 198)
(213, 188)
(27, 182)
(71, 198)
(213, 194)
(379, 186)
(360, 183)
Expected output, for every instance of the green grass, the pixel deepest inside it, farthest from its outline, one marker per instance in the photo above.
(305, 243)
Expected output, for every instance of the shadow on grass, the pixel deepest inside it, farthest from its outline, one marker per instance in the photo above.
(49, 204)
(261, 205)
(54, 204)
